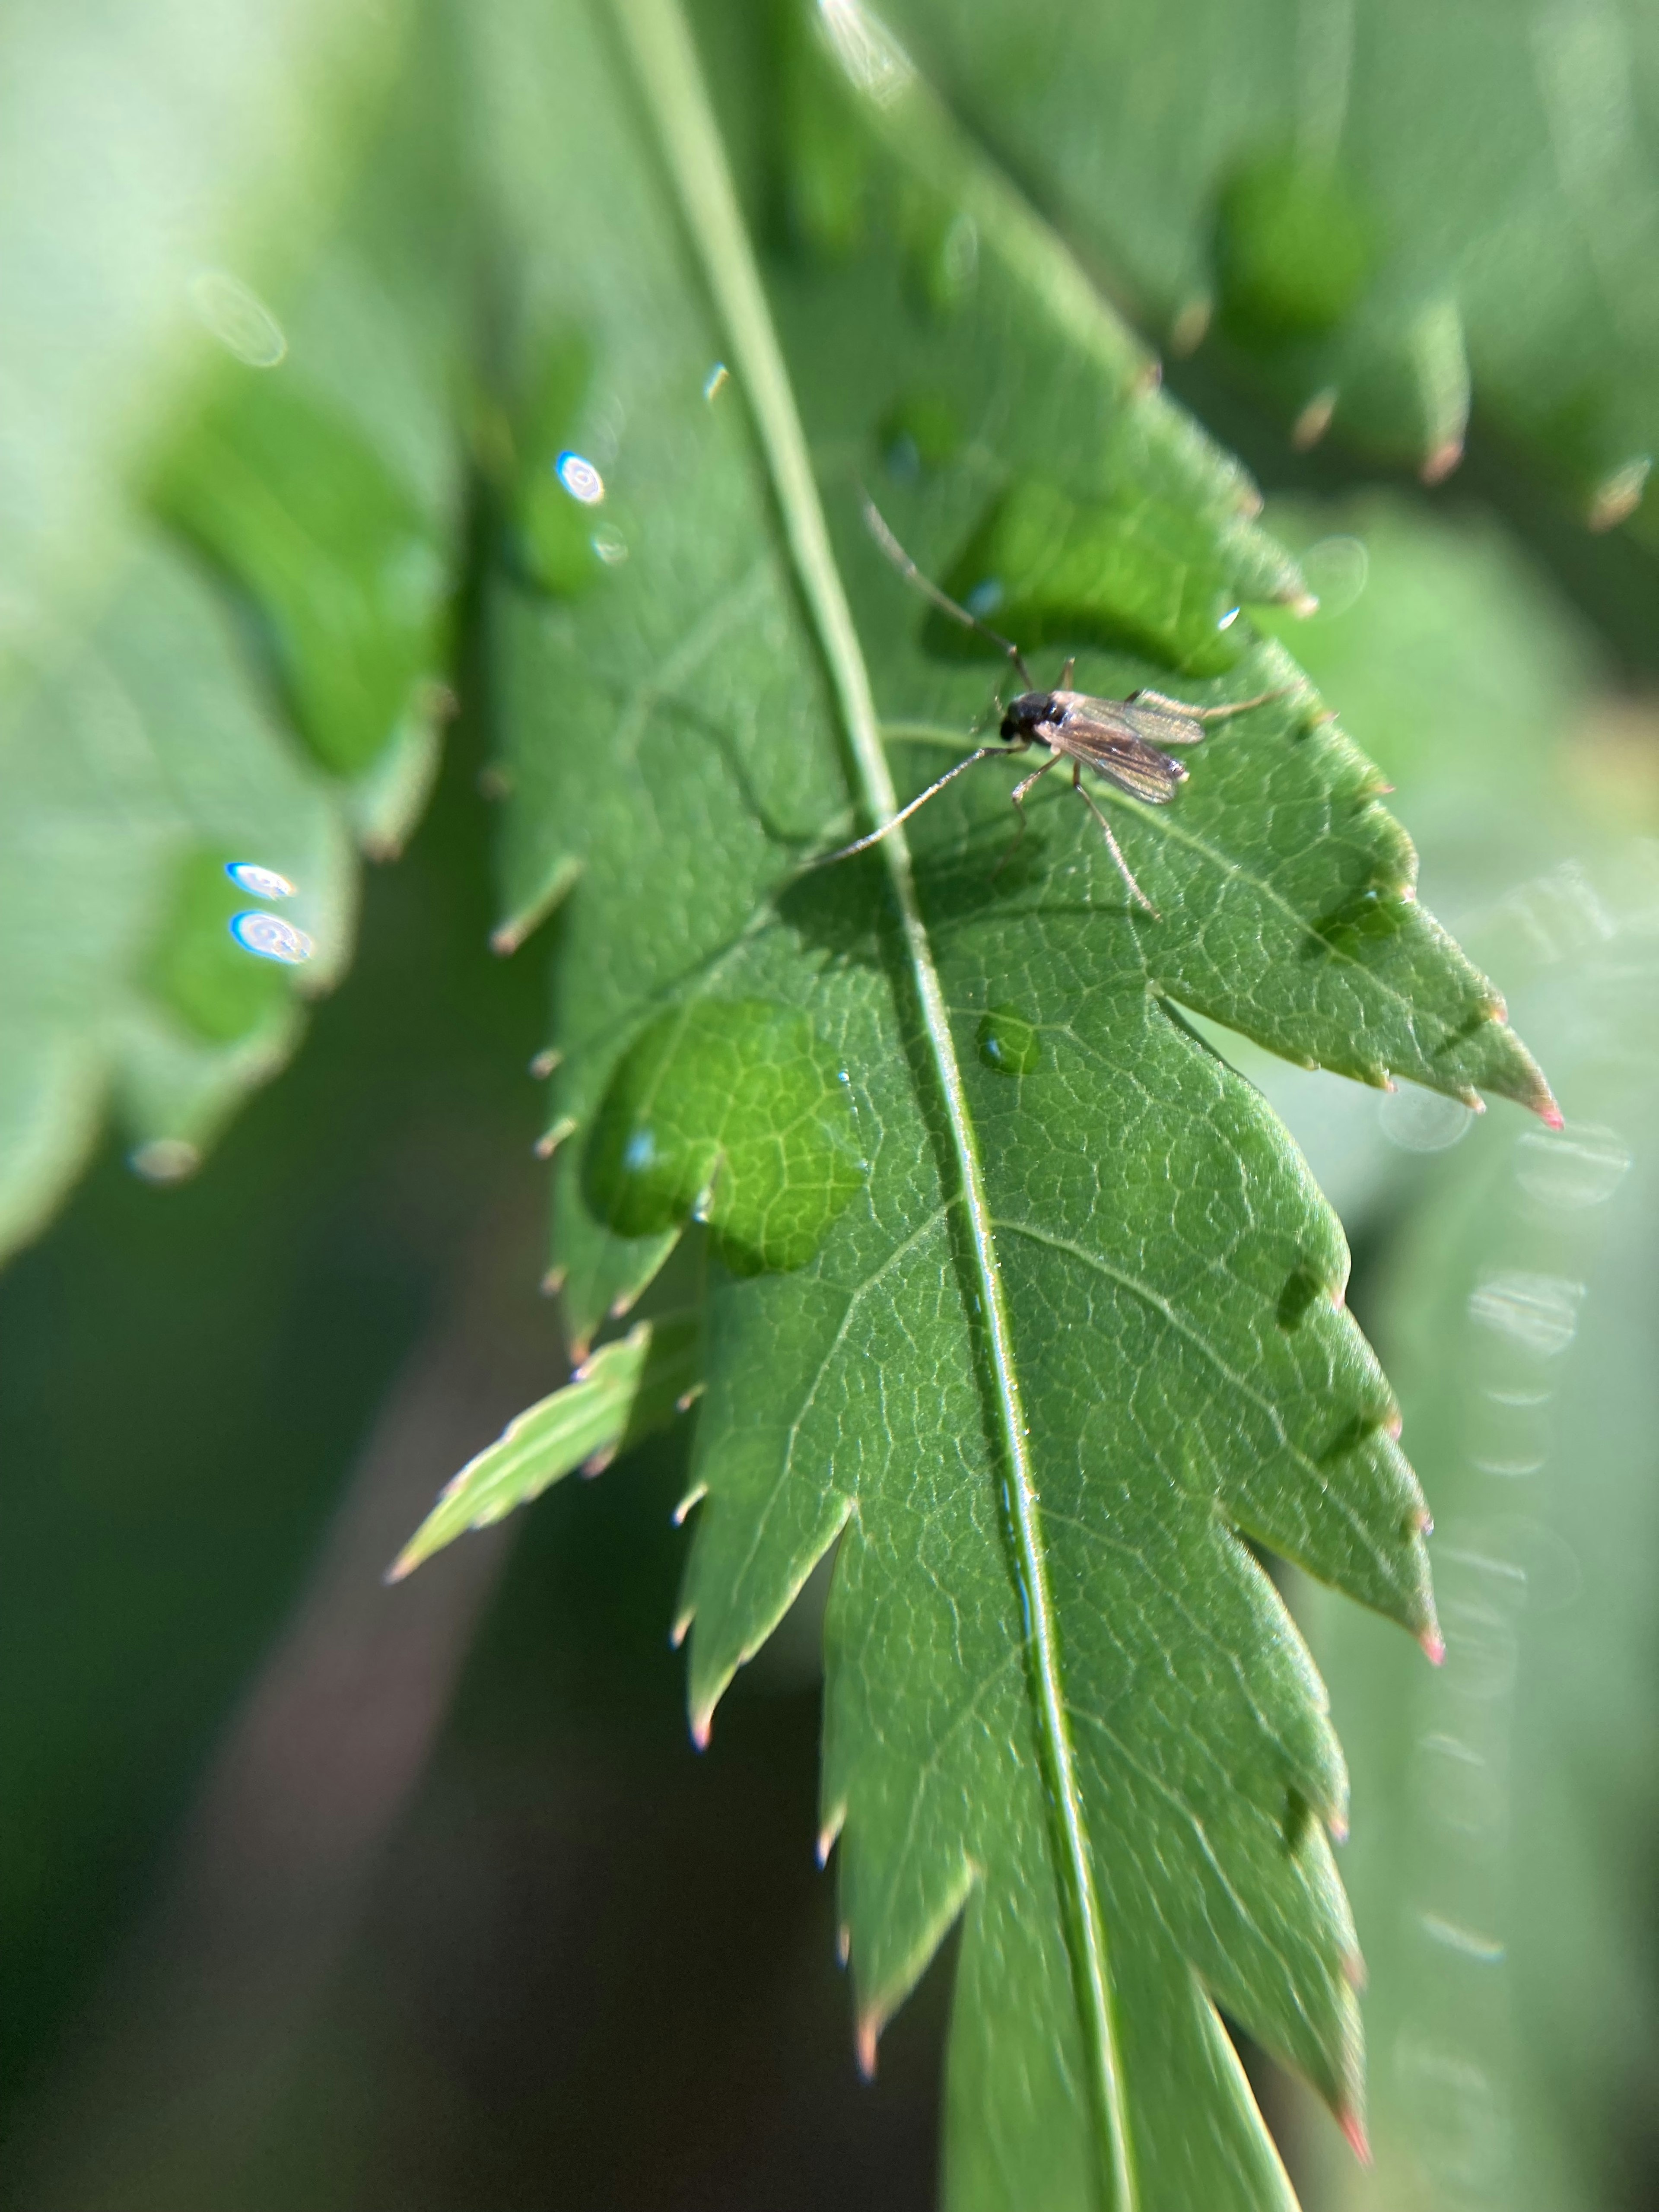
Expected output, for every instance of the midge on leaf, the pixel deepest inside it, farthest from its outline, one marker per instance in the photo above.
(1113, 737)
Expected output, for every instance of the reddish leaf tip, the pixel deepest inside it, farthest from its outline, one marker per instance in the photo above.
(1434, 1646)
(1314, 419)
(869, 2027)
(1354, 2127)
(1442, 461)
(703, 1726)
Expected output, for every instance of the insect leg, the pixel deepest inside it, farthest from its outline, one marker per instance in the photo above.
(1017, 796)
(908, 568)
(1112, 845)
(862, 844)
(1066, 673)
(1209, 714)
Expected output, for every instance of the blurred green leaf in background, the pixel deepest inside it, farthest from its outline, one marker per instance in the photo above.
(526, 371)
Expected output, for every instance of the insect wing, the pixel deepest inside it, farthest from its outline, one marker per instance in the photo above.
(1159, 726)
(1105, 741)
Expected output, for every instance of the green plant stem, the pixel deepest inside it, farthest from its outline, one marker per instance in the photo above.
(666, 62)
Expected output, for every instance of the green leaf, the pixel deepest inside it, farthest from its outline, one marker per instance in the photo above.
(306, 516)
(1076, 1342)
(138, 762)
(622, 1395)
(1302, 184)
(159, 725)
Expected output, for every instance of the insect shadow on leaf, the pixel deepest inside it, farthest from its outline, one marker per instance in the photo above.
(1113, 737)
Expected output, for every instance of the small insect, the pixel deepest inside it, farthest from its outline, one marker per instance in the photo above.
(1113, 737)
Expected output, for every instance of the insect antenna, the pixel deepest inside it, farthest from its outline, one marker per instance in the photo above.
(908, 568)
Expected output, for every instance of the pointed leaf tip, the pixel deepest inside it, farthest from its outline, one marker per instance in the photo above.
(1354, 2127)
(1434, 1646)
(866, 2035)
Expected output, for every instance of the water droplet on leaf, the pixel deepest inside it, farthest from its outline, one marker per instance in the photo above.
(258, 883)
(1129, 572)
(579, 478)
(1008, 1043)
(1367, 917)
(271, 938)
(731, 1113)
(198, 971)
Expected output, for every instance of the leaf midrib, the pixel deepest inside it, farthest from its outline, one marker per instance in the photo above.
(666, 64)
